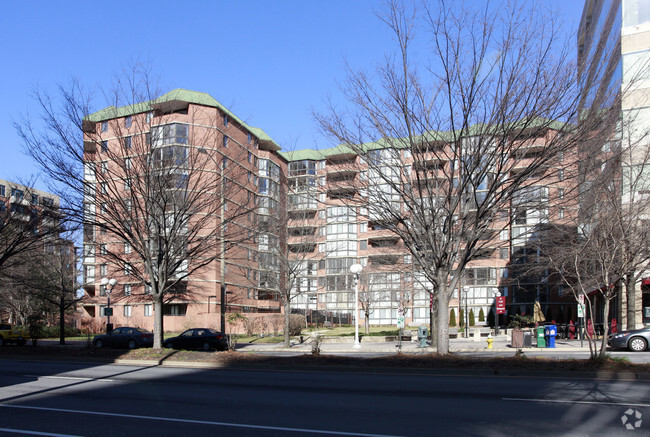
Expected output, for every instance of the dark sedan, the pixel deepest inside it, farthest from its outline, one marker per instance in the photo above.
(125, 337)
(198, 338)
(636, 340)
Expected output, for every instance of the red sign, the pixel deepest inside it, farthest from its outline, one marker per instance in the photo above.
(501, 305)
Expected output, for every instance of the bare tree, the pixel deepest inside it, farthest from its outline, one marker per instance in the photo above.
(450, 143)
(161, 200)
(49, 277)
(26, 223)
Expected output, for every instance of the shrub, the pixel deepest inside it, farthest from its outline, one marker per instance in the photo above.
(296, 323)
(461, 318)
(521, 321)
(452, 318)
(481, 316)
(472, 322)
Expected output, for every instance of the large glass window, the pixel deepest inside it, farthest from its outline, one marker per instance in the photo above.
(175, 133)
(299, 168)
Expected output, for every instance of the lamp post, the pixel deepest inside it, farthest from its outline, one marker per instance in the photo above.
(466, 292)
(496, 311)
(356, 269)
(109, 284)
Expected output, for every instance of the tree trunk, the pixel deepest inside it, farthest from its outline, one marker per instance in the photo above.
(603, 345)
(287, 321)
(157, 321)
(630, 297)
(442, 321)
(62, 320)
(367, 323)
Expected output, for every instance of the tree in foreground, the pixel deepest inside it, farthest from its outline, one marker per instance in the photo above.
(161, 201)
(456, 145)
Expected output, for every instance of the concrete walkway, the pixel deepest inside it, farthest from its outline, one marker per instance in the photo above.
(345, 346)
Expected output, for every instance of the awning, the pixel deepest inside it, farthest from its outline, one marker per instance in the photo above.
(645, 281)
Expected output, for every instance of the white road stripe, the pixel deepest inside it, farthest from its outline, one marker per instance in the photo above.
(72, 378)
(562, 401)
(23, 431)
(198, 422)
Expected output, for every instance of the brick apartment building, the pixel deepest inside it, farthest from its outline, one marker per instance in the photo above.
(30, 226)
(294, 205)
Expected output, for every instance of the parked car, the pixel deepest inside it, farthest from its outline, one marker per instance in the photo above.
(198, 338)
(125, 337)
(636, 340)
(12, 334)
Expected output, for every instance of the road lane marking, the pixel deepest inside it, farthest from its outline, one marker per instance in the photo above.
(196, 422)
(562, 401)
(24, 431)
(69, 378)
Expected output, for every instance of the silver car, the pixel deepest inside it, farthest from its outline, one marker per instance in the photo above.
(636, 340)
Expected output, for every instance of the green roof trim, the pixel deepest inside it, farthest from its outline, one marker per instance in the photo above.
(404, 143)
(178, 94)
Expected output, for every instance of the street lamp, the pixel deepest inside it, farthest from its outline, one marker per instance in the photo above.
(109, 284)
(356, 269)
(496, 311)
(466, 292)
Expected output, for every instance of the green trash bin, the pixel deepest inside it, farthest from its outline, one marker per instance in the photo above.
(541, 341)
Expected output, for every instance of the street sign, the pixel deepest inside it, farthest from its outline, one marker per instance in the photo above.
(108, 311)
(400, 322)
(581, 299)
(581, 310)
(501, 305)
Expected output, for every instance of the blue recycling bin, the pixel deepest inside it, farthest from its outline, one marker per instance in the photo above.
(550, 332)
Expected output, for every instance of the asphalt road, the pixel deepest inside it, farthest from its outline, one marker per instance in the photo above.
(111, 400)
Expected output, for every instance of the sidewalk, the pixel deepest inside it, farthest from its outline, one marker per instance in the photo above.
(345, 346)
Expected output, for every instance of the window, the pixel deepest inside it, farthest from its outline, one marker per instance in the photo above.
(102, 250)
(127, 248)
(250, 159)
(127, 184)
(225, 142)
(128, 142)
(560, 213)
(560, 175)
(17, 194)
(560, 156)
(127, 310)
(127, 269)
(250, 138)
(104, 187)
(104, 166)
(149, 117)
(504, 253)
(225, 120)
(127, 163)
(34, 199)
(321, 247)
(2, 190)
(104, 126)
(127, 289)
(175, 309)
(104, 146)
(560, 193)
(103, 270)
(128, 120)
(148, 310)
(407, 259)
(175, 133)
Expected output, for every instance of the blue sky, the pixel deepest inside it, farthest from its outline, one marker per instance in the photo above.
(271, 63)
